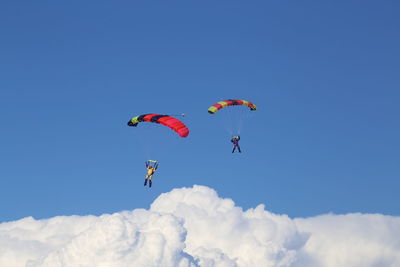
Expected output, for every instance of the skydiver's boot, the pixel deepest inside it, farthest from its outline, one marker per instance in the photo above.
(149, 183)
(145, 182)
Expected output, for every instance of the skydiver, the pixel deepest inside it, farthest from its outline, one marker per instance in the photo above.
(150, 171)
(235, 141)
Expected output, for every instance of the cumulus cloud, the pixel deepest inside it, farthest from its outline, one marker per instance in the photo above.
(350, 240)
(195, 227)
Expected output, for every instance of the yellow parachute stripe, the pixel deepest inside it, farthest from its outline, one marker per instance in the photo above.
(212, 109)
(223, 103)
(135, 120)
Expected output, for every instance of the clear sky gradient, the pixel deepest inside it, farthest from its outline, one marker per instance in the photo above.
(325, 77)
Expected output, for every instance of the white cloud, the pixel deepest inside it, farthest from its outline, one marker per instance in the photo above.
(351, 240)
(219, 232)
(195, 227)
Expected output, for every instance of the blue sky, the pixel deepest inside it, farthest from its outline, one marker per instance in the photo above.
(324, 76)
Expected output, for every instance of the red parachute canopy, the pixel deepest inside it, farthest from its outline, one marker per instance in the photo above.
(171, 122)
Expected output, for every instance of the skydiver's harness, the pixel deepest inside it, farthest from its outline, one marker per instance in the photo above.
(150, 171)
(235, 140)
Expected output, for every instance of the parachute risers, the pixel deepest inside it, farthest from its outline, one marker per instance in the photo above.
(152, 163)
(166, 120)
(230, 102)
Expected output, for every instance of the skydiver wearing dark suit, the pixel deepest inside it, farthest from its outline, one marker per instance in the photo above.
(235, 141)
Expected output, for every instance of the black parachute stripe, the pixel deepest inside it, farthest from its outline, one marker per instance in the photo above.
(234, 102)
(141, 117)
(156, 118)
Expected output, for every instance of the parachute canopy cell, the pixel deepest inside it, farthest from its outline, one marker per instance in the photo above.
(230, 102)
(166, 120)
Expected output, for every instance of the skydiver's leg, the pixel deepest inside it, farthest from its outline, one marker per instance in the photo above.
(150, 180)
(239, 149)
(234, 147)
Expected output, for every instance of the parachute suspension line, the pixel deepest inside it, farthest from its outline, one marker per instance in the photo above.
(147, 139)
(231, 120)
(142, 143)
(226, 120)
(244, 117)
(241, 121)
(234, 117)
(237, 117)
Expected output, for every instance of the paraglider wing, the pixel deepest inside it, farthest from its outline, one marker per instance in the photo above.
(230, 102)
(166, 120)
